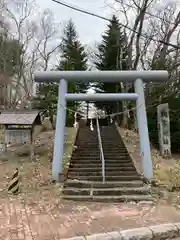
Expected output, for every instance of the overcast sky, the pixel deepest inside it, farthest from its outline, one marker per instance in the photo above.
(89, 28)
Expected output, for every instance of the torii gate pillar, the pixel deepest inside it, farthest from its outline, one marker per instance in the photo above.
(58, 152)
(143, 129)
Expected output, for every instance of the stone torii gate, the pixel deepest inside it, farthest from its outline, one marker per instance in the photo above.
(136, 77)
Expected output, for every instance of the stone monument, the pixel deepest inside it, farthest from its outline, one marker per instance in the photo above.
(164, 129)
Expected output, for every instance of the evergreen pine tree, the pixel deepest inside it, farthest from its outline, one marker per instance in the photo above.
(73, 57)
(46, 99)
(10, 58)
(111, 56)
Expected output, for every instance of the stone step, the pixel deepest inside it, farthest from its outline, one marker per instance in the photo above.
(109, 133)
(122, 198)
(84, 169)
(111, 138)
(87, 169)
(85, 132)
(77, 164)
(94, 164)
(90, 142)
(110, 146)
(114, 149)
(89, 132)
(110, 163)
(100, 184)
(98, 172)
(119, 158)
(116, 143)
(106, 191)
(96, 150)
(82, 139)
(94, 144)
(85, 155)
(85, 159)
(87, 148)
(116, 153)
(82, 159)
(72, 174)
(119, 164)
(94, 168)
(115, 146)
(87, 151)
(108, 178)
(95, 155)
(87, 129)
(86, 164)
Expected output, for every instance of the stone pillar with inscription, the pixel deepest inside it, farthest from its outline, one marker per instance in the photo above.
(164, 129)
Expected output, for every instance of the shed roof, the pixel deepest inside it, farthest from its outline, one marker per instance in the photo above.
(17, 117)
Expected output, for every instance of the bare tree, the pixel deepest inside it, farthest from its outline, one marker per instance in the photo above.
(151, 33)
(48, 40)
(151, 26)
(37, 39)
(19, 15)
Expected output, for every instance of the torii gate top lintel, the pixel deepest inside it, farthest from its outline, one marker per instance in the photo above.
(101, 76)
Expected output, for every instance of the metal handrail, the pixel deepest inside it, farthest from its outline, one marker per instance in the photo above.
(101, 149)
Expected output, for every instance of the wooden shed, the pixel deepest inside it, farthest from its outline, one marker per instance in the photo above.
(18, 126)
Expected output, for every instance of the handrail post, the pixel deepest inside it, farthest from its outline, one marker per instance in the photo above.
(101, 149)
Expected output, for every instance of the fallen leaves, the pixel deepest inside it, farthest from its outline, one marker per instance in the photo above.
(166, 171)
(35, 175)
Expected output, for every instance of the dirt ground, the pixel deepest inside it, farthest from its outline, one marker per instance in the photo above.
(39, 213)
(35, 176)
(57, 219)
(166, 171)
(131, 140)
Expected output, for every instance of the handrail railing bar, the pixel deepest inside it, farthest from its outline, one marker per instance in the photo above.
(101, 149)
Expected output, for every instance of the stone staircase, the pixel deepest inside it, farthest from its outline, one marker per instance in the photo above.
(84, 181)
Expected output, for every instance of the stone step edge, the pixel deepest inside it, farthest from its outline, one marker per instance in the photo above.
(162, 231)
(123, 198)
(124, 189)
(97, 168)
(100, 182)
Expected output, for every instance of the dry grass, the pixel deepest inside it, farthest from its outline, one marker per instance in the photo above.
(69, 145)
(166, 171)
(35, 176)
(167, 175)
